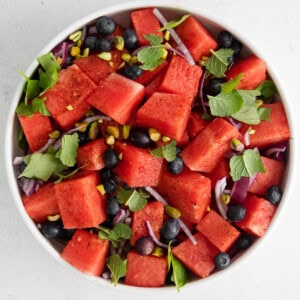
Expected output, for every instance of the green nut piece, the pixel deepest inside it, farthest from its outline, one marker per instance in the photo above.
(158, 252)
(105, 56)
(119, 42)
(172, 212)
(93, 131)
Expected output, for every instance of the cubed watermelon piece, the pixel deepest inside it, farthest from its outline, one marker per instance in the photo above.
(153, 86)
(146, 271)
(274, 131)
(220, 170)
(41, 204)
(168, 113)
(195, 124)
(137, 167)
(208, 148)
(198, 258)
(263, 181)
(152, 212)
(254, 72)
(259, 214)
(89, 156)
(66, 100)
(181, 78)
(80, 203)
(36, 130)
(145, 22)
(97, 68)
(86, 252)
(188, 191)
(218, 231)
(196, 38)
(117, 97)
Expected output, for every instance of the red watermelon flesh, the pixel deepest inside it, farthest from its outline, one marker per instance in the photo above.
(254, 72)
(80, 203)
(86, 252)
(117, 97)
(196, 38)
(146, 271)
(188, 191)
(198, 258)
(153, 86)
(209, 147)
(220, 170)
(66, 100)
(89, 155)
(168, 113)
(218, 231)
(36, 130)
(152, 212)
(42, 203)
(195, 124)
(137, 167)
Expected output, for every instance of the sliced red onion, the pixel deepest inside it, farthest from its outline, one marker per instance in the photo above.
(176, 51)
(175, 36)
(62, 50)
(135, 52)
(106, 275)
(219, 190)
(18, 160)
(151, 233)
(46, 146)
(187, 231)
(239, 190)
(234, 123)
(121, 216)
(121, 248)
(92, 29)
(275, 150)
(28, 185)
(247, 137)
(128, 221)
(200, 92)
(95, 118)
(156, 195)
(83, 34)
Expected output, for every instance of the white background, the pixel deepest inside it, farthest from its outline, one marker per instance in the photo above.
(27, 271)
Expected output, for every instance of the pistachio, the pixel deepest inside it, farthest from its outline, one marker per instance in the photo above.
(69, 107)
(126, 131)
(225, 199)
(113, 130)
(166, 139)
(144, 194)
(53, 218)
(172, 212)
(235, 144)
(165, 53)
(54, 134)
(119, 42)
(154, 134)
(110, 140)
(167, 35)
(158, 252)
(75, 36)
(82, 126)
(105, 56)
(259, 102)
(93, 130)
(101, 189)
(126, 57)
(75, 51)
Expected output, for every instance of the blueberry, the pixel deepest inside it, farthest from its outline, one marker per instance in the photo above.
(140, 137)
(274, 194)
(105, 25)
(22, 167)
(214, 86)
(178, 150)
(92, 42)
(222, 260)
(83, 137)
(110, 186)
(175, 166)
(55, 229)
(132, 71)
(144, 245)
(104, 45)
(113, 206)
(236, 47)
(130, 39)
(105, 174)
(230, 60)
(170, 229)
(243, 242)
(110, 158)
(236, 212)
(224, 39)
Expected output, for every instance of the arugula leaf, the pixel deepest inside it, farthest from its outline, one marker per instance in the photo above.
(217, 63)
(230, 85)
(267, 89)
(154, 39)
(131, 198)
(68, 151)
(150, 57)
(174, 23)
(246, 165)
(117, 266)
(168, 152)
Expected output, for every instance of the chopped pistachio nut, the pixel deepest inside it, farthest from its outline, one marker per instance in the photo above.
(69, 107)
(111, 63)
(79, 43)
(126, 57)
(133, 60)
(110, 140)
(119, 42)
(101, 189)
(113, 130)
(54, 134)
(82, 126)
(158, 252)
(75, 36)
(122, 64)
(126, 131)
(100, 120)
(208, 208)
(59, 60)
(167, 35)
(120, 156)
(74, 51)
(85, 52)
(165, 53)
(235, 144)
(172, 212)
(89, 113)
(154, 134)
(251, 131)
(93, 131)
(105, 56)
(259, 102)
(225, 199)
(53, 218)
(166, 139)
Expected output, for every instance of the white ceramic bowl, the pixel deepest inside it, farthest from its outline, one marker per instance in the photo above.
(120, 13)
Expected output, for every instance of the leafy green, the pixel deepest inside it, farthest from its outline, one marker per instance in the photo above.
(37, 105)
(246, 165)
(68, 151)
(117, 266)
(48, 77)
(150, 57)
(264, 113)
(174, 23)
(48, 61)
(168, 151)
(155, 40)
(230, 85)
(32, 88)
(267, 89)
(217, 63)
(131, 198)
(62, 176)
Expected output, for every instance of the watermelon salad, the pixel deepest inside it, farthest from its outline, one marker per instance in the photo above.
(153, 153)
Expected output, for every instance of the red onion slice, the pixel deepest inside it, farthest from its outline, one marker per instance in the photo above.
(200, 92)
(247, 137)
(219, 190)
(275, 150)
(151, 233)
(187, 232)
(121, 216)
(239, 190)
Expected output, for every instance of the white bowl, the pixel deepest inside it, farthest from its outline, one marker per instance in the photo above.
(120, 13)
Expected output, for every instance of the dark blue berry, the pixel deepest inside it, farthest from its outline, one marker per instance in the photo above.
(236, 212)
(105, 25)
(140, 137)
(214, 86)
(178, 150)
(230, 60)
(104, 45)
(105, 174)
(175, 166)
(243, 242)
(83, 137)
(131, 40)
(55, 230)
(222, 260)
(110, 186)
(92, 42)
(22, 167)
(110, 158)
(224, 39)
(113, 206)
(132, 71)
(236, 47)
(274, 194)
(144, 245)
(170, 229)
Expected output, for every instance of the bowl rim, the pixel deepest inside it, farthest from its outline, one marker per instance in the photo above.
(121, 8)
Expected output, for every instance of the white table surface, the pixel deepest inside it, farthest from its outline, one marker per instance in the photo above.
(27, 271)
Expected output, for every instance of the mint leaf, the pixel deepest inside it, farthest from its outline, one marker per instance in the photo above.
(267, 89)
(68, 151)
(24, 110)
(38, 105)
(168, 151)
(48, 78)
(264, 113)
(32, 88)
(217, 63)
(48, 61)
(116, 235)
(150, 57)
(117, 266)
(61, 176)
(246, 165)
(174, 23)
(132, 199)
(230, 85)
(154, 39)
(40, 166)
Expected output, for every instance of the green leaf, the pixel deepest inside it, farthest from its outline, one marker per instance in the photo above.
(174, 23)
(267, 89)
(249, 96)
(179, 273)
(48, 61)
(150, 57)
(217, 63)
(24, 110)
(246, 165)
(38, 105)
(68, 151)
(61, 176)
(117, 266)
(40, 166)
(131, 198)
(168, 151)
(154, 39)
(264, 113)
(32, 87)
(48, 78)
(224, 105)
(248, 115)
(230, 85)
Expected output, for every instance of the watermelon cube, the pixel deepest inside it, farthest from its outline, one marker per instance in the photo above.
(146, 271)
(274, 131)
(222, 169)
(86, 252)
(89, 156)
(206, 150)
(145, 22)
(66, 100)
(153, 86)
(117, 97)
(36, 130)
(196, 38)
(218, 231)
(195, 124)
(254, 72)
(188, 191)
(42, 203)
(198, 258)
(259, 214)
(137, 167)
(181, 78)
(263, 181)
(152, 212)
(80, 203)
(168, 113)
